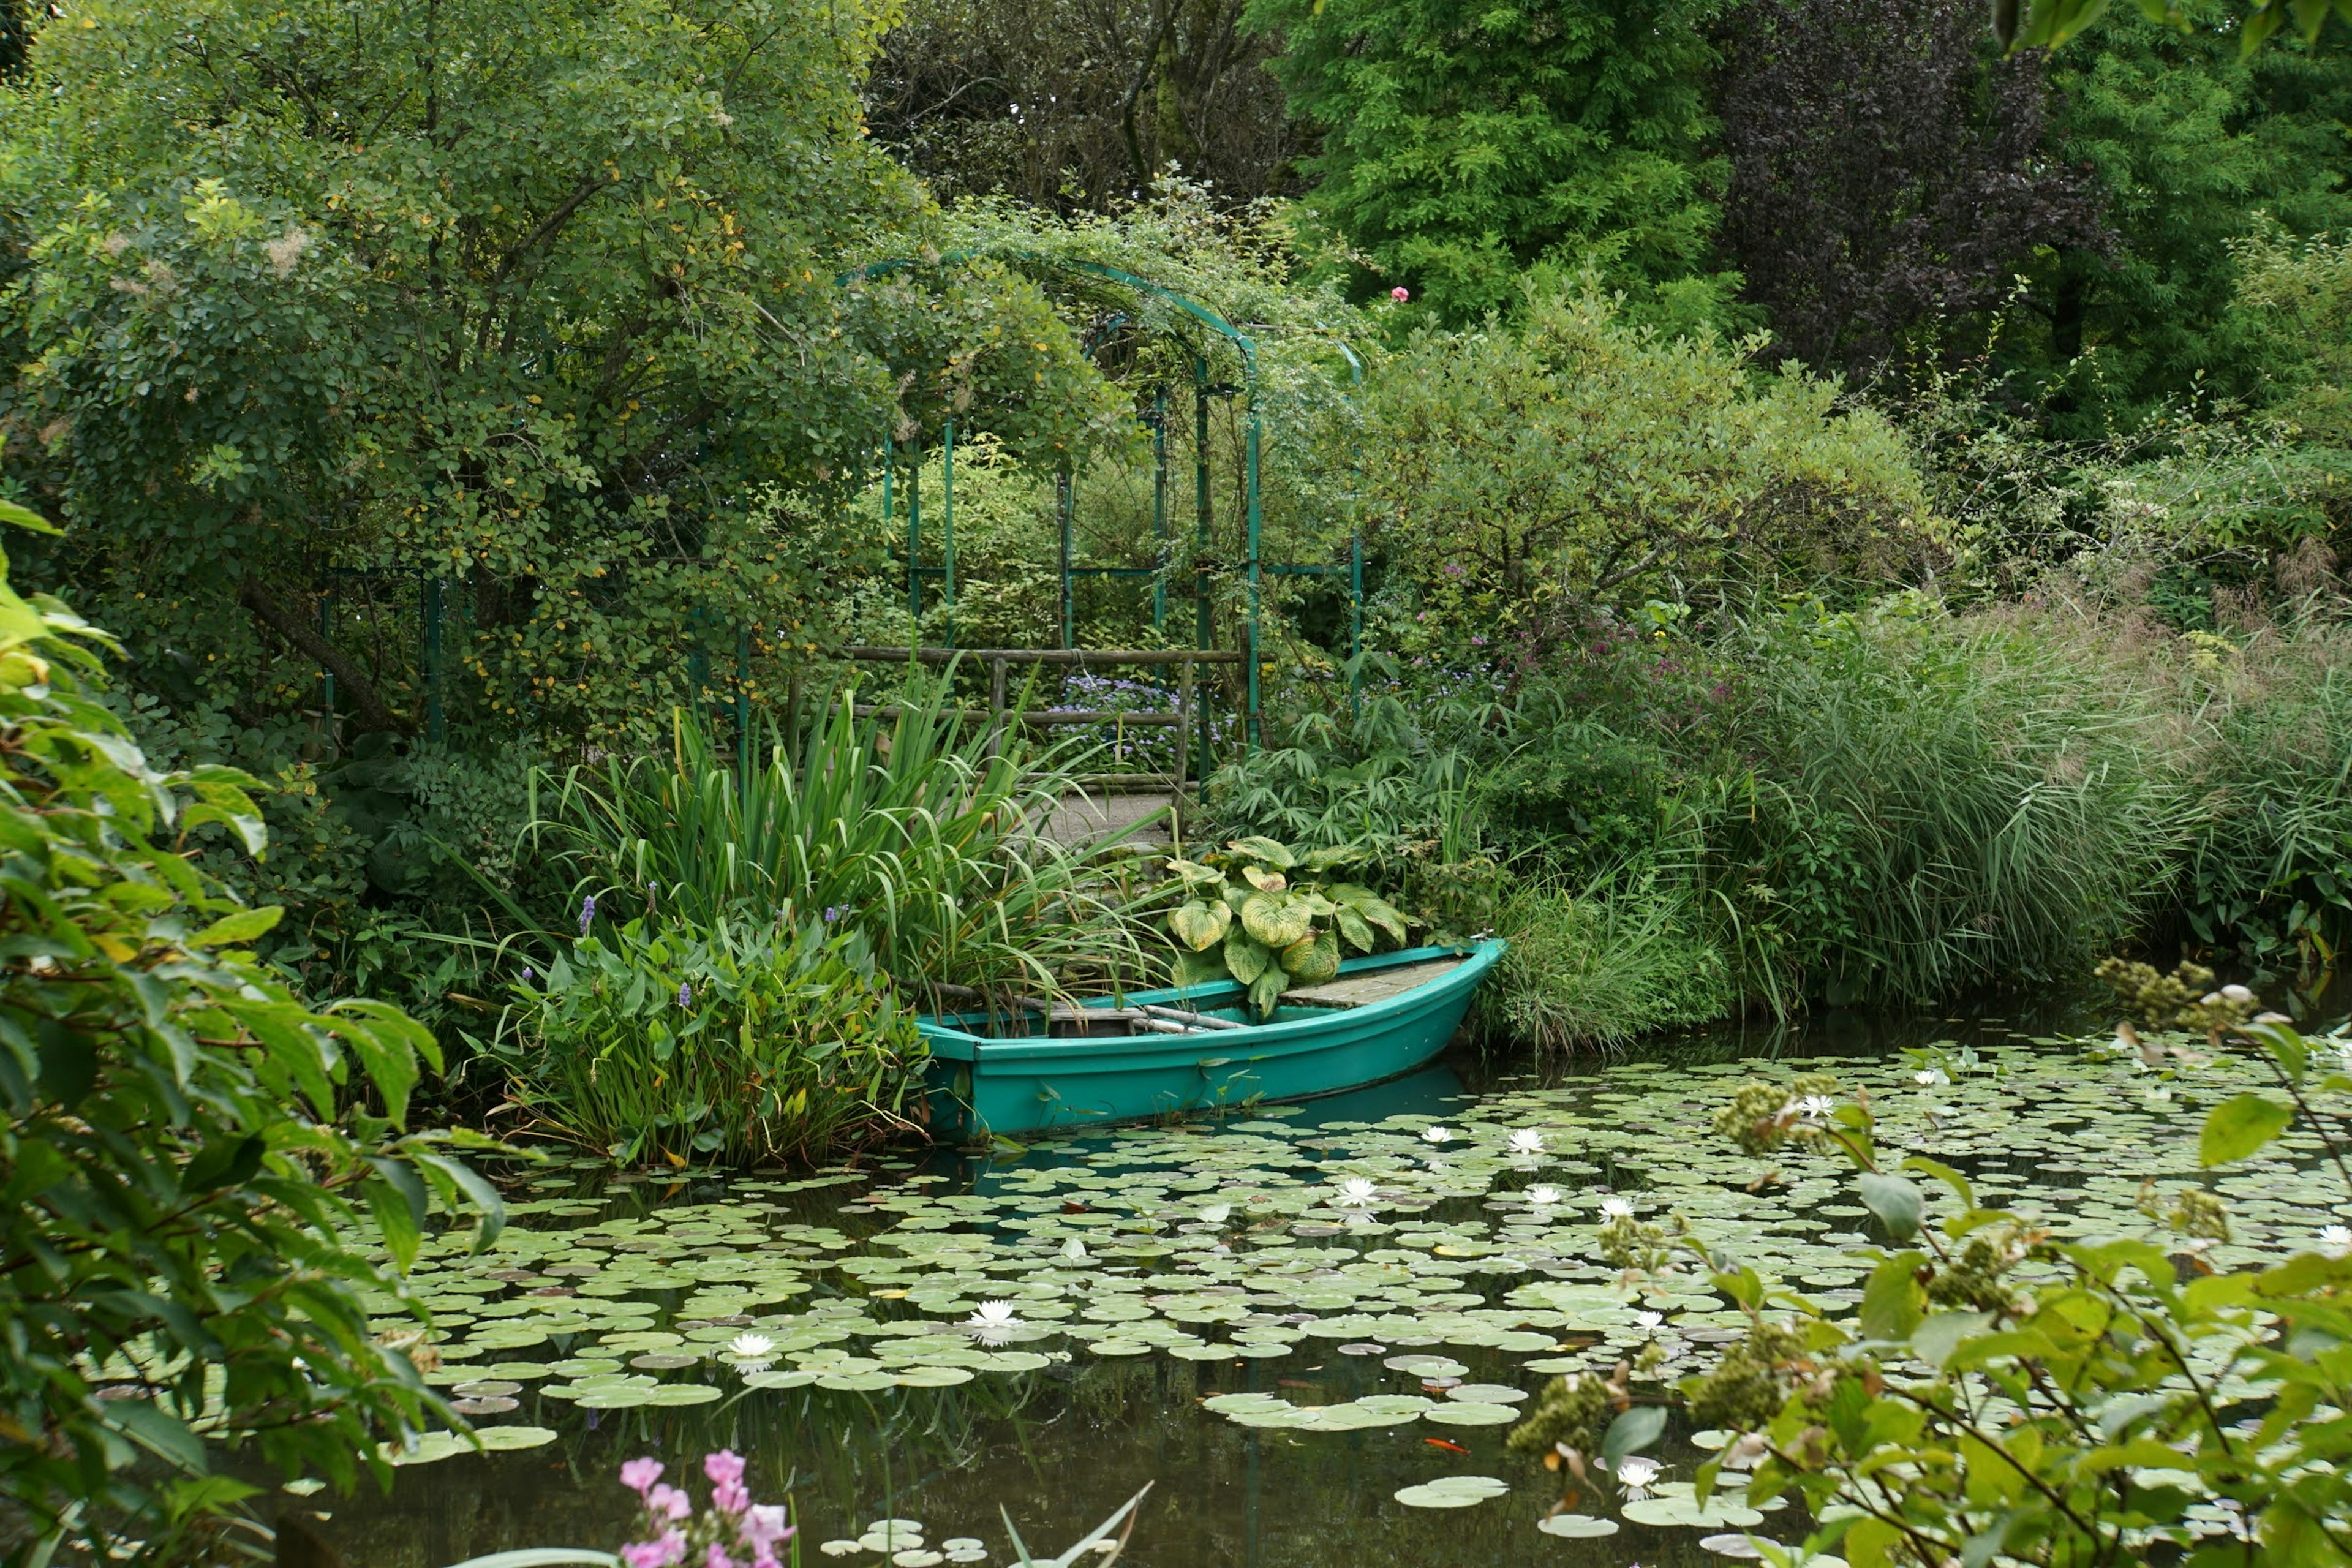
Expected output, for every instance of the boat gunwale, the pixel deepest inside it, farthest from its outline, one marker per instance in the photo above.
(1478, 956)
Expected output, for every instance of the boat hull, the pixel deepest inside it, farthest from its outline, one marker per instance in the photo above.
(981, 1087)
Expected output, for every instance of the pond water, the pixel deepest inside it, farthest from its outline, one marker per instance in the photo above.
(1282, 1321)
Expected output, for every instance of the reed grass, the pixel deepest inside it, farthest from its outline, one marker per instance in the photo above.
(913, 827)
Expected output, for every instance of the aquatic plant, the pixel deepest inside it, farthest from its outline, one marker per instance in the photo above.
(739, 1041)
(1595, 965)
(1260, 914)
(914, 825)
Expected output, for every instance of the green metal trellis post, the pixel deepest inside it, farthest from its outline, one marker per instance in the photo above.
(432, 718)
(914, 536)
(326, 676)
(947, 520)
(1160, 507)
(1255, 518)
(1202, 631)
(1064, 500)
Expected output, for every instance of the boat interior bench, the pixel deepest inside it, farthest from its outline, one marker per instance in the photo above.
(1363, 990)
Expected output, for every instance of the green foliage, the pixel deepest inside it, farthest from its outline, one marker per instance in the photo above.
(1927, 803)
(742, 1042)
(1598, 966)
(1260, 914)
(1516, 482)
(187, 1146)
(2294, 300)
(560, 327)
(1461, 144)
(916, 829)
(2023, 1398)
(2196, 149)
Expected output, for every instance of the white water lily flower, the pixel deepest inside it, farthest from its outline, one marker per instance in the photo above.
(2337, 1240)
(1357, 1192)
(1817, 1105)
(1617, 1208)
(1526, 1140)
(1927, 1078)
(1075, 1250)
(751, 1347)
(1436, 1135)
(1216, 1214)
(1543, 1197)
(994, 1315)
(1649, 1320)
(1636, 1472)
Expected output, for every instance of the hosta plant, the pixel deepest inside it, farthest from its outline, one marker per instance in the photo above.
(1269, 917)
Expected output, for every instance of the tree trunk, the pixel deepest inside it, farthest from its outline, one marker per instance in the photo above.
(368, 705)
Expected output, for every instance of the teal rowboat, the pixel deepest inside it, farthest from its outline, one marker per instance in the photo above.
(1100, 1062)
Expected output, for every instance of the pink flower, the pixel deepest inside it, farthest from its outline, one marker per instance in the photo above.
(1400, 293)
(764, 1526)
(718, 1557)
(723, 1467)
(731, 1496)
(670, 1548)
(639, 1474)
(667, 1502)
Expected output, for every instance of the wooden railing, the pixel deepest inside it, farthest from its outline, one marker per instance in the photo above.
(1001, 660)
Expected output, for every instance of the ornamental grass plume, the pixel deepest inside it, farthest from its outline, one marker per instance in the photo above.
(732, 1531)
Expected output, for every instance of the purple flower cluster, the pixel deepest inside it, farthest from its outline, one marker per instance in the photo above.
(732, 1532)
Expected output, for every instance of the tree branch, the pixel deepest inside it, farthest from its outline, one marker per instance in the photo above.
(372, 712)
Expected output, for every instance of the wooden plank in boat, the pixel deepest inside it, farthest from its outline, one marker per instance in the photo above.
(1363, 990)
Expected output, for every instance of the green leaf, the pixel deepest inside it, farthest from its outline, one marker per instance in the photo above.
(1199, 926)
(1946, 1175)
(1274, 919)
(231, 930)
(1312, 959)
(1632, 1431)
(25, 518)
(1267, 989)
(1891, 1302)
(1351, 926)
(1265, 849)
(1195, 969)
(1895, 1201)
(2239, 1126)
(1245, 956)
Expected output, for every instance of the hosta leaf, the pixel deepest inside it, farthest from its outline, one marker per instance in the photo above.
(1264, 880)
(1337, 855)
(1265, 849)
(1352, 927)
(1244, 956)
(1274, 920)
(1200, 968)
(1196, 876)
(1267, 989)
(1199, 926)
(1377, 911)
(1313, 958)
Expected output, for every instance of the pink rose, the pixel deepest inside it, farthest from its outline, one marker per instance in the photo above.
(639, 1474)
(723, 1467)
(667, 1502)
(1400, 293)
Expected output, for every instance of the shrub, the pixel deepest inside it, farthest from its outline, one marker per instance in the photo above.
(186, 1146)
(741, 1039)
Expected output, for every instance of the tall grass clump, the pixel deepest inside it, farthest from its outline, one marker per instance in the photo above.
(2267, 877)
(1596, 966)
(910, 826)
(1905, 804)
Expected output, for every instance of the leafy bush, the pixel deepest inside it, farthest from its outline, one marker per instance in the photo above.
(1262, 915)
(187, 1146)
(914, 830)
(741, 1039)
